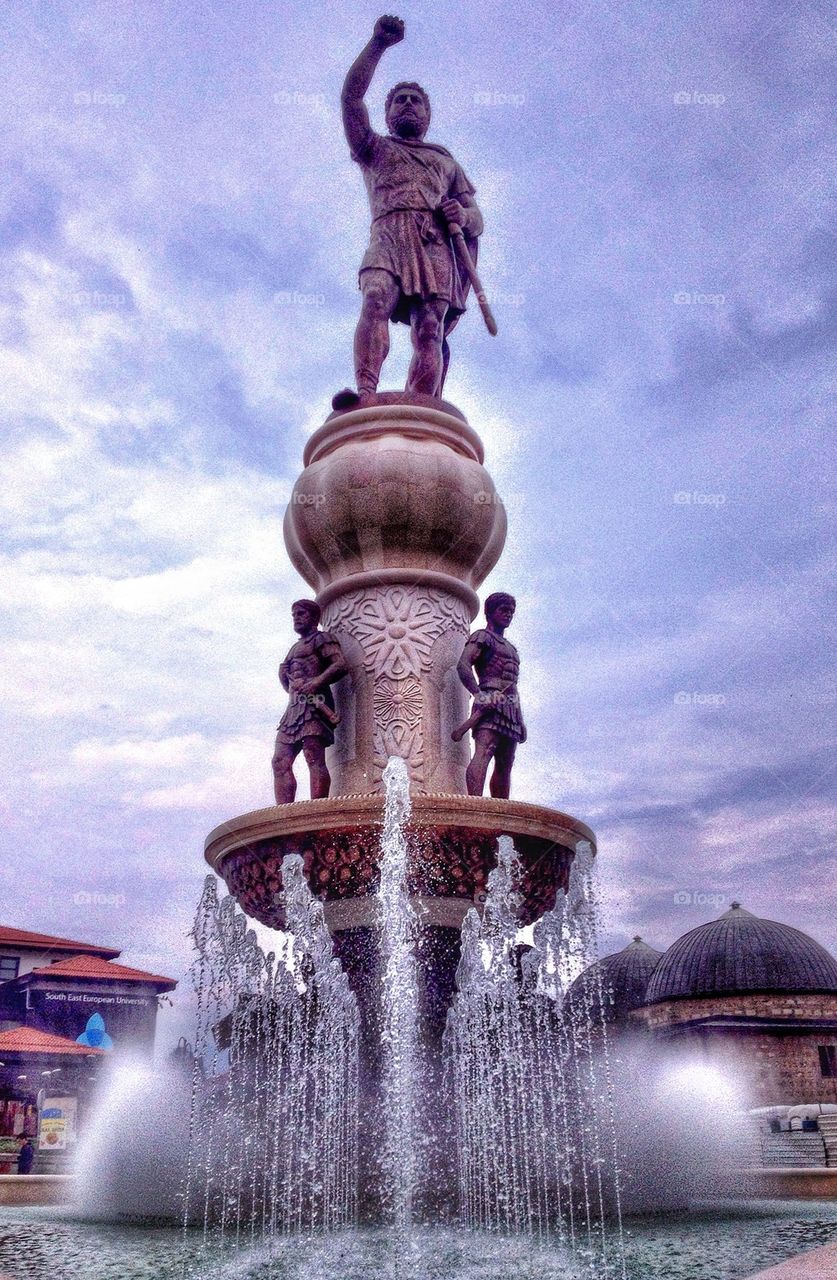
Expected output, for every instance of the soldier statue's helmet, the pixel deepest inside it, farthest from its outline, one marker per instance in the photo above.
(406, 84)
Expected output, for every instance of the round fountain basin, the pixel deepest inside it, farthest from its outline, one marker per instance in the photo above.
(452, 849)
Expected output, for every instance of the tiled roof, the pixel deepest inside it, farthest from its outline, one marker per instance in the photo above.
(30, 1040)
(94, 968)
(10, 937)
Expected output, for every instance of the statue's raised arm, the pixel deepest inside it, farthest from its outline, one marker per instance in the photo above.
(388, 31)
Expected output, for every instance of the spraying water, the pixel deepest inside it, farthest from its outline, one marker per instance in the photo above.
(398, 1001)
(131, 1154)
(274, 1105)
(530, 1079)
(274, 1115)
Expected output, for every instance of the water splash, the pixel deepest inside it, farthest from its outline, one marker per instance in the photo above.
(274, 1118)
(530, 1076)
(274, 1103)
(399, 1028)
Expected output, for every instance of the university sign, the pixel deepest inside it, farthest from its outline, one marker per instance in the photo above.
(67, 998)
(98, 1019)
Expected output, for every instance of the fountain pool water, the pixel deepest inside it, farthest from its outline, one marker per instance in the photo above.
(721, 1242)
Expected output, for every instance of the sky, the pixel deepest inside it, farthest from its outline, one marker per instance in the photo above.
(180, 230)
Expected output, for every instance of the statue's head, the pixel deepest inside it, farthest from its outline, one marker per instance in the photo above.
(306, 615)
(500, 607)
(407, 110)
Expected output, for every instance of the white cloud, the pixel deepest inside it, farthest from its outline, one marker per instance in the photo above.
(160, 753)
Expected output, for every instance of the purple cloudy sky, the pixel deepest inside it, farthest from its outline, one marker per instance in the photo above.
(180, 227)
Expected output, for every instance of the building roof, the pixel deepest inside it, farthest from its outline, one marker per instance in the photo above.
(30, 1040)
(95, 969)
(619, 981)
(742, 952)
(27, 941)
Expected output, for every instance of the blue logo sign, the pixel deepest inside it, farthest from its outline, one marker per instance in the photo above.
(94, 1034)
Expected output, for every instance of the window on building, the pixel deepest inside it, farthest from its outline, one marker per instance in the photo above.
(9, 966)
(828, 1060)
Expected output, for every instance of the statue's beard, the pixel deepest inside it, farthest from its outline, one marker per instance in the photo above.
(408, 127)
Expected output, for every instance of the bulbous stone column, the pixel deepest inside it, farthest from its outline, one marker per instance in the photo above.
(395, 523)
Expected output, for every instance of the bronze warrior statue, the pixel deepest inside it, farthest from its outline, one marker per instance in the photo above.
(422, 207)
(496, 721)
(312, 666)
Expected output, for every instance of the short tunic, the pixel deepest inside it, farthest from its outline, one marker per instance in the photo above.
(498, 668)
(406, 181)
(303, 718)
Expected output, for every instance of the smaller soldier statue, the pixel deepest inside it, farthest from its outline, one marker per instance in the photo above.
(313, 664)
(496, 721)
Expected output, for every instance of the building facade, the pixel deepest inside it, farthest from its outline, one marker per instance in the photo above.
(66, 1009)
(755, 999)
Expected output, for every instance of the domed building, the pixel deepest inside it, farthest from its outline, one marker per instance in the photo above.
(614, 986)
(757, 999)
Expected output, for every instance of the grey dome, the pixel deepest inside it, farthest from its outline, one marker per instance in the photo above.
(742, 952)
(622, 978)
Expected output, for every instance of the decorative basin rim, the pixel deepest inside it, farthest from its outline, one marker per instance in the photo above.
(346, 813)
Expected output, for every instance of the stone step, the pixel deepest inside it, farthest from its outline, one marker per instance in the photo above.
(795, 1150)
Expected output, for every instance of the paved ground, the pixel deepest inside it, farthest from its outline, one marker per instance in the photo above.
(816, 1264)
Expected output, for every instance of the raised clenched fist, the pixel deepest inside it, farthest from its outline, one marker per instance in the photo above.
(389, 30)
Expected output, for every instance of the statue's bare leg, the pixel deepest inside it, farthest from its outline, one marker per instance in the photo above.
(380, 297)
(284, 782)
(485, 744)
(314, 751)
(445, 363)
(427, 326)
(500, 785)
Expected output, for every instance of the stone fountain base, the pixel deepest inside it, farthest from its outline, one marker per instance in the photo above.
(453, 847)
(452, 843)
